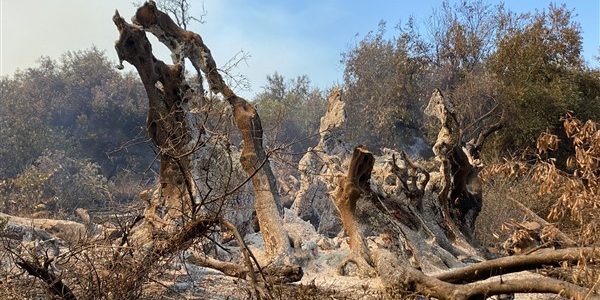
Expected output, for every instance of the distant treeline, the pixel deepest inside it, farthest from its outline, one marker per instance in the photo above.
(73, 129)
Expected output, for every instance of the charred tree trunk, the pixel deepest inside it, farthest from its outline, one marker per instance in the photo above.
(255, 161)
(420, 217)
(170, 125)
(165, 114)
(55, 285)
(312, 202)
(460, 199)
(350, 189)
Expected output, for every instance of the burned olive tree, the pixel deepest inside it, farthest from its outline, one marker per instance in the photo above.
(175, 125)
(408, 224)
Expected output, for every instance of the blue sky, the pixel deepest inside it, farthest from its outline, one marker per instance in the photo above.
(290, 37)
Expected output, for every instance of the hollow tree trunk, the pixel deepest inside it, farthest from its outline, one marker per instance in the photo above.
(460, 205)
(317, 177)
(409, 212)
(411, 227)
(405, 200)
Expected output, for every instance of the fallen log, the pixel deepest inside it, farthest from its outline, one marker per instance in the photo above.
(398, 275)
(511, 264)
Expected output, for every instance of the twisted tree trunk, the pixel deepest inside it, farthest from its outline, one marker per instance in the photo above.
(170, 125)
(394, 197)
(350, 189)
(460, 202)
(167, 92)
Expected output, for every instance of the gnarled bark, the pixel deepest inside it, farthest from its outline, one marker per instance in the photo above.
(460, 201)
(319, 168)
(350, 189)
(410, 211)
(172, 128)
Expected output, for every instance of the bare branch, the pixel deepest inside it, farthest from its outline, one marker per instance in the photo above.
(399, 275)
(480, 119)
(54, 283)
(517, 263)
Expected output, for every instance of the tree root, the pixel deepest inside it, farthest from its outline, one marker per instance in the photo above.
(365, 268)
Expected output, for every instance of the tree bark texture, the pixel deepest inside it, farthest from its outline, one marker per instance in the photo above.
(350, 190)
(394, 196)
(135, 48)
(460, 205)
(170, 125)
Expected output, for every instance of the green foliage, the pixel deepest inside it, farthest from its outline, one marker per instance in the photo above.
(55, 182)
(540, 65)
(390, 80)
(79, 104)
(23, 129)
(383, 81)
(480, 56)
(290, 112)
(69, 128)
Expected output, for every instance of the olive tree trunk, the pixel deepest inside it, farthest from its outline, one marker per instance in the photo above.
(168, 93)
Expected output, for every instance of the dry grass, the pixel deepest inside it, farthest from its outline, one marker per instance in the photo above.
(498, 208)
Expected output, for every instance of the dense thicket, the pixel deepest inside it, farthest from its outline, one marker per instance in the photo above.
(530, 65)
(291, 110)
(68, 121)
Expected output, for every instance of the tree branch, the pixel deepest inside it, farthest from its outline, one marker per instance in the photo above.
(54, 283)
(397, 274)
(565, 239)
(517, 263)
(187, 44)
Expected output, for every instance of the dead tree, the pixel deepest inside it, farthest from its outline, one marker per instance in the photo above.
(171, 127)
(460, 162)
(317, 182)
(350, 190)
(178, 133)
(186, 44)
(394, 196)
(397, 272)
